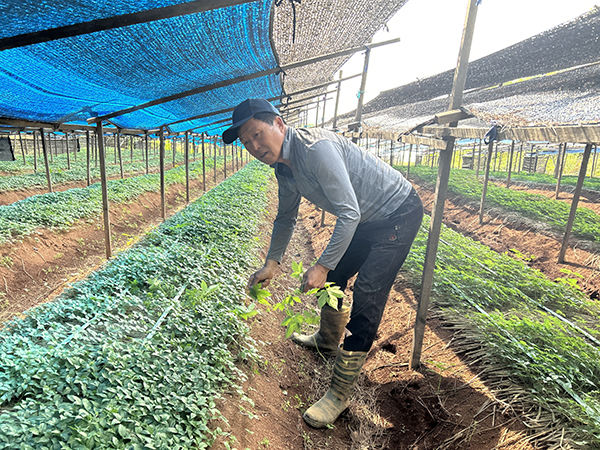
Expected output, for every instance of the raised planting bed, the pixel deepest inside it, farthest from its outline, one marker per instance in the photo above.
(531, 206)
(62, 209)
(536, 342)
(136, 355)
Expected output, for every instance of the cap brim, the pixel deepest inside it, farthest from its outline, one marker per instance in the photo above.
(231, 133)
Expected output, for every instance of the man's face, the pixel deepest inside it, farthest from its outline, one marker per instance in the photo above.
(262, 140)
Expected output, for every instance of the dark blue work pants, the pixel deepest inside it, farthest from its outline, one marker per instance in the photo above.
(377, 253)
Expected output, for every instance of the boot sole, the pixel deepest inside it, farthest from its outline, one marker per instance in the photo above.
(316, 424)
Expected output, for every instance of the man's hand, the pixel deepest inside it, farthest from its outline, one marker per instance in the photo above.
(263, 275)
(314, 277)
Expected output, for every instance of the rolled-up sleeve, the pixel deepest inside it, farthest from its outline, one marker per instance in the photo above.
(285, 222)
(332, 175)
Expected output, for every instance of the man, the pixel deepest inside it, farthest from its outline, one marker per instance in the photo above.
(378, 216)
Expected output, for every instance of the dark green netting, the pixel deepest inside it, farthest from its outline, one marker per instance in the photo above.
(72, 79)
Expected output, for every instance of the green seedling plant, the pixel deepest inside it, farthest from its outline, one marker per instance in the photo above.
(571, 279)
(328, 295)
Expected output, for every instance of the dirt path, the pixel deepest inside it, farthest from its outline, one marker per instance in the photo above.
(442, 405)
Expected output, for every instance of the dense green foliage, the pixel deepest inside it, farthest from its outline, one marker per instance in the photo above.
(61, 209)
(537, 207)
(121, 360)
(545, 335)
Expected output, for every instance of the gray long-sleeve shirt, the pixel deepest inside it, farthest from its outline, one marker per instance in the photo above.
(337, 176)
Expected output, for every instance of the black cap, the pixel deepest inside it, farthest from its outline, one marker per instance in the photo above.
(243, 113)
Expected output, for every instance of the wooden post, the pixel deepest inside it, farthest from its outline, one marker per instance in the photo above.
(558, 157)
(337, 102)
(87, 156)
(486, 180)
(510, 161)
(460, 76)
(574, 203)
(103, 182)
(161, 164)
(322, 218)
(203, 166)
(118, 141)
(45, 151)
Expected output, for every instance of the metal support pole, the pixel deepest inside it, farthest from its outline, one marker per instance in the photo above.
(67, 147)
(45, 150)
(35, 152)
(486, 180)
(510, 161)
(146, 148)
(215, 161)
(186, 157)
(118, 141)
(361, 92)
(337, 102)
(460, 76)
(103, 183)
(87, 158)
(575, 202)
(161, 165)
(203, 166)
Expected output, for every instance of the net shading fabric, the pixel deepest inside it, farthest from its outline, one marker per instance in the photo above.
(71, 79)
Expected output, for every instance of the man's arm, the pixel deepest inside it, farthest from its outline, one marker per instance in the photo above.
(283, 228)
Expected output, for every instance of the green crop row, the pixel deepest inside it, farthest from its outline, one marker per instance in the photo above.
(543, 335)
(537, 207)
(136, 355)
(62, 209)
(24, 178)
(592, 184)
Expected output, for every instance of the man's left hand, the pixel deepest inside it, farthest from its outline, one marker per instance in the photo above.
(314, 277)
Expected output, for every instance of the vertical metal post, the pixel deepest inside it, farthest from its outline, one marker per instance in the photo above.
(45, 150)
(34, 152)
(337, 102)
(161, 164)
(510, 161)
(460, 76)
(174, 145)
(392, 153)
(576, 194)
(215, 160)
(186, 157)
(203, 166)
(22, 148)
(361, 92)
(486, 180)
(324, 103)
(146, 147)
(87, 157)
(118, 141)
(67, 147)
(103, 183)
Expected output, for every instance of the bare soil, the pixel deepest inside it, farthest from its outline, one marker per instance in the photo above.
(443, 405)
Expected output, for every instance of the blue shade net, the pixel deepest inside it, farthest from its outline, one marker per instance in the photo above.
(72, 79)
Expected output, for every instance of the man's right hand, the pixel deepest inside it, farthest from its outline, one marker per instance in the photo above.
(263, 275)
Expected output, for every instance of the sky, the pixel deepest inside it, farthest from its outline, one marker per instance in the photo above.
(430, 32)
